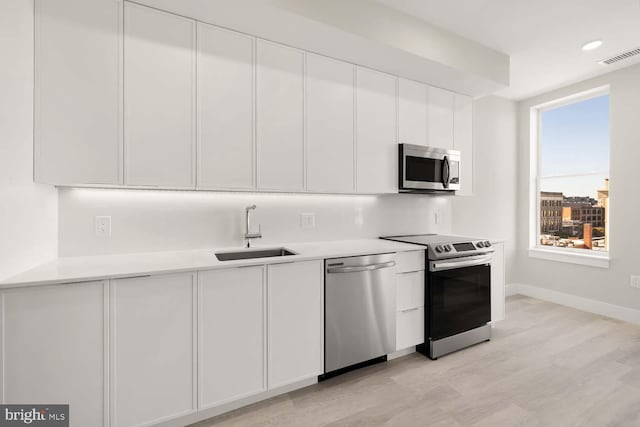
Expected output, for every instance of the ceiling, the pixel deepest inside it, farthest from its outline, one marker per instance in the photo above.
(543, 37)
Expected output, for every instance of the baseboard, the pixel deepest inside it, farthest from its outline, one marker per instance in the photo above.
(512, 289)
(585, 304)
(401, 353)
(236, 404)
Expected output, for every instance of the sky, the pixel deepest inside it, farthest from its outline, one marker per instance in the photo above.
(574, 139)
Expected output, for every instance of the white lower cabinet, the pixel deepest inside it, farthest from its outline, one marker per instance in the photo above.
(410, 299)
(410, 290)
(498, 283)
(146, 350)
(53, 342)
(152, 349)
(231, 334)
(409, 328)
(295, 322)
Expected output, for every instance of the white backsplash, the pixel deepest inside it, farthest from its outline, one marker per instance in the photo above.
(151, 220)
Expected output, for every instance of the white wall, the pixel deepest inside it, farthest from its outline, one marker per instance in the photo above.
(150, 220)
(28, 214)
(608, 285)
(491, 211)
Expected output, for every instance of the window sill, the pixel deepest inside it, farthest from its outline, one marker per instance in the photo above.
(571, 256)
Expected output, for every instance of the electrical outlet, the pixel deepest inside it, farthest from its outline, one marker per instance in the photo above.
(436, 218)
(634, 282)
(308, 220)
(103, 226)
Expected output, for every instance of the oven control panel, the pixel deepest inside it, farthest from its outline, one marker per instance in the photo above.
(457, 249)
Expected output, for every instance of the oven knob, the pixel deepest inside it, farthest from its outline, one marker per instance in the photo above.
(438, 248)
(480, 244)
(487, 244)
(447, 248)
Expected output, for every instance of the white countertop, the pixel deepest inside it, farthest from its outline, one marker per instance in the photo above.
(89, 268)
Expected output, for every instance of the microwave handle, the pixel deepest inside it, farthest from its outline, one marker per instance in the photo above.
(445, 172)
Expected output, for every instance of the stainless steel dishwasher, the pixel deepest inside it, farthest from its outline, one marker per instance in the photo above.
(360, 310)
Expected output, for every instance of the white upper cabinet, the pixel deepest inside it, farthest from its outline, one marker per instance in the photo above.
(377, 148)
(225, 109)
(440, 118)
(295, 322)
(128, 95)
(78, 137)
(231, 319)
(463, 141)
(159, 98)
(280, 117)
(53, 341)
(330, 125)
(412, 112)
(152, 365)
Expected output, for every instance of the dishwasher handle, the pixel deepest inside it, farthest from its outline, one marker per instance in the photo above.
(358, 268)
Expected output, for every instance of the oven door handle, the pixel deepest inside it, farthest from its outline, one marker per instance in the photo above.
(450, 264)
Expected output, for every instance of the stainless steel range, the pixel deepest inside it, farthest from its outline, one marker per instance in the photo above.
(458, 291)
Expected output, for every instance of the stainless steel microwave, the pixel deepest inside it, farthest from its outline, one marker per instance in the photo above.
(428, 169)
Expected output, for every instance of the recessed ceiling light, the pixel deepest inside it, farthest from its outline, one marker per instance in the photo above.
(594, 44)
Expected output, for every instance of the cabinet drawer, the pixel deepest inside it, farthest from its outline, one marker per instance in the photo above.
(409, 328)
(409, 261)
(410, 290)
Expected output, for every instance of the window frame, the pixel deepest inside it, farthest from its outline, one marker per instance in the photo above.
(536, 250)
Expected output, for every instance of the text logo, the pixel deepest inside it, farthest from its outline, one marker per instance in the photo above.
(34, 415)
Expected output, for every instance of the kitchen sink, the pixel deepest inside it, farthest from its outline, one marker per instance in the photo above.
(253, 253)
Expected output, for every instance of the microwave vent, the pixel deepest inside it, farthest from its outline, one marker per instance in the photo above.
(620, 57)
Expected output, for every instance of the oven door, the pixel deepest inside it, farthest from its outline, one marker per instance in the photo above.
(460, 295)
(428, 169)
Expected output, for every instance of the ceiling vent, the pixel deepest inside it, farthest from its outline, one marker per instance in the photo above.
(621, 57)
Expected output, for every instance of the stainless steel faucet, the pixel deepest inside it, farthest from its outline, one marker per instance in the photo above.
(248, 235)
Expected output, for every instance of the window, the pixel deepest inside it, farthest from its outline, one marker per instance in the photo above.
(570, 159)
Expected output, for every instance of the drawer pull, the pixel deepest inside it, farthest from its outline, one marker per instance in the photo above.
(410, 309)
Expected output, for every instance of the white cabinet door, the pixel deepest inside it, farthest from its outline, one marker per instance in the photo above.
(463, 141)
(409, 328)
(225, 108)
(410, 290)
(412, 112)
(152, 349)
(377, 148)
(295, 322)
(280, 118)
(77, 92)
(53, 342)
(330, 125)
(498, 283)
(159, 98)
(231, 329)
(440, 118)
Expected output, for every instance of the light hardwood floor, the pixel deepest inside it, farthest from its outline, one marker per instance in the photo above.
(547, 365)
